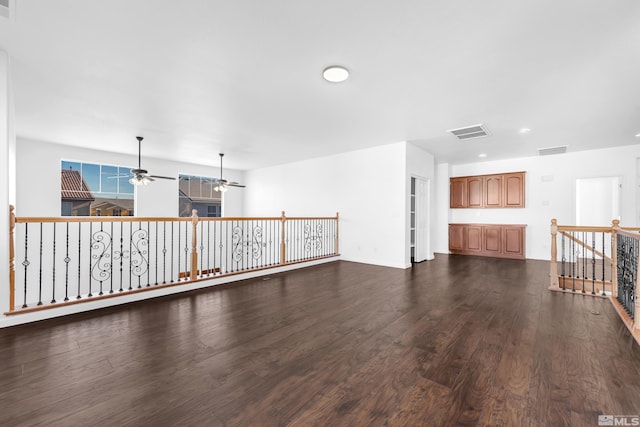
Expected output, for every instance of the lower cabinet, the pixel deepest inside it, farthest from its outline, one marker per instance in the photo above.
(492, 240)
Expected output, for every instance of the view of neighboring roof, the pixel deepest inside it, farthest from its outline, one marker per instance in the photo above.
(106, 203)
(73, 186)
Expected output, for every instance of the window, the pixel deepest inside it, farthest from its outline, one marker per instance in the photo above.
(95, 189)
(196, 192)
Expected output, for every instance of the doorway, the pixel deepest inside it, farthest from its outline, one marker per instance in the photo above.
(419, 221)
(597, 200)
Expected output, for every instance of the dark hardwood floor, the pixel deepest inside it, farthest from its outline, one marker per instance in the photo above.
(454, 341)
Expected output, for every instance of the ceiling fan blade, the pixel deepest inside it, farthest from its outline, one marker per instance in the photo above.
(161, 177)
(235, 184)
(119, 176)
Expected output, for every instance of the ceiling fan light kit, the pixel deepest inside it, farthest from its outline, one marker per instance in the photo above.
(141, 176)
(222, 185)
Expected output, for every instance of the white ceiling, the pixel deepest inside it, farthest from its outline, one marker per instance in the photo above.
(196, 77)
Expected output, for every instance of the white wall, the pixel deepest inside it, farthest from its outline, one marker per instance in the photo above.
(367, 187)
(38, 179)
(550, 191)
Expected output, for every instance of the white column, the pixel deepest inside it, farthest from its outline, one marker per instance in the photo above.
(7, 175)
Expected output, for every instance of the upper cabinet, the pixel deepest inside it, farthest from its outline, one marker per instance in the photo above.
(504, 190)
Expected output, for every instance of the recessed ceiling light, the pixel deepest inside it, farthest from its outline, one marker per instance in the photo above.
(525, 130)
(335, 74)
(482, 155)
(637, 135)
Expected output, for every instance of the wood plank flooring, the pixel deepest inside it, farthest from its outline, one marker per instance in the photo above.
(455, 341)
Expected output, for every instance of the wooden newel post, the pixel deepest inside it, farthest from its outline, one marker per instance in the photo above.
(194, 245)
(553, 271)
(337, 250)
(283, 245)
(12, 255)
(615, 226)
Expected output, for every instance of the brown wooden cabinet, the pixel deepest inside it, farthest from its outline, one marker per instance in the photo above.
(458, 192)
(492, 240)
(505, 190)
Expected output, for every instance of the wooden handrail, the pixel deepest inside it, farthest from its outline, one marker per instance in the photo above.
(583, 228)
(23, 220)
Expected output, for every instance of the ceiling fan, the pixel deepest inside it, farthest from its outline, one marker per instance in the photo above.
(221, 184)
(141, 176)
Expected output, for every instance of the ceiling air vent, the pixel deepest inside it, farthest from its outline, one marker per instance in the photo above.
(552, 150)
(470, 132)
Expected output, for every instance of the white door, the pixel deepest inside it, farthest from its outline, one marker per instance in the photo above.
(597, 200)
(422, 220)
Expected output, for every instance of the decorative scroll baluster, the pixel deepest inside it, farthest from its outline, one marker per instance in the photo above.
(12, 259)
(79, 257)
(121, 254)
(627, 249)
(111, 263)
(90, 256)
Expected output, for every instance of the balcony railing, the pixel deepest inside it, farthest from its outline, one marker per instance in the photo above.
(598, 261)
(58, 261)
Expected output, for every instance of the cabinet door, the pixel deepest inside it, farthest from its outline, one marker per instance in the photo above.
(513, 190)
(492, 240)
(456, 237)
(514, 243)
(493, 191)
(458, 192)
(474, 191)
(474, 238)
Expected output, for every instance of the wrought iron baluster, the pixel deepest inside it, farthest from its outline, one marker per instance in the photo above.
(79, 257)
(67, 260)
(164, 252)
(179, 248)
(172, 247)
(573, 265)
(130, 255)
(26, 262)
(186, 252)
(121, 254)
(209, 247)
(201, 225)
(40, 270)
(53, 293)
(593, 263)
(564, 259)
(604, 254)
(112, 259)
(156, 263)
(584, 261)
(90, 247)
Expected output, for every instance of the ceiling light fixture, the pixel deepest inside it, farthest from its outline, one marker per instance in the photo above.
(525, 130)
(637, 135)
(482, 155)
(335, 73)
